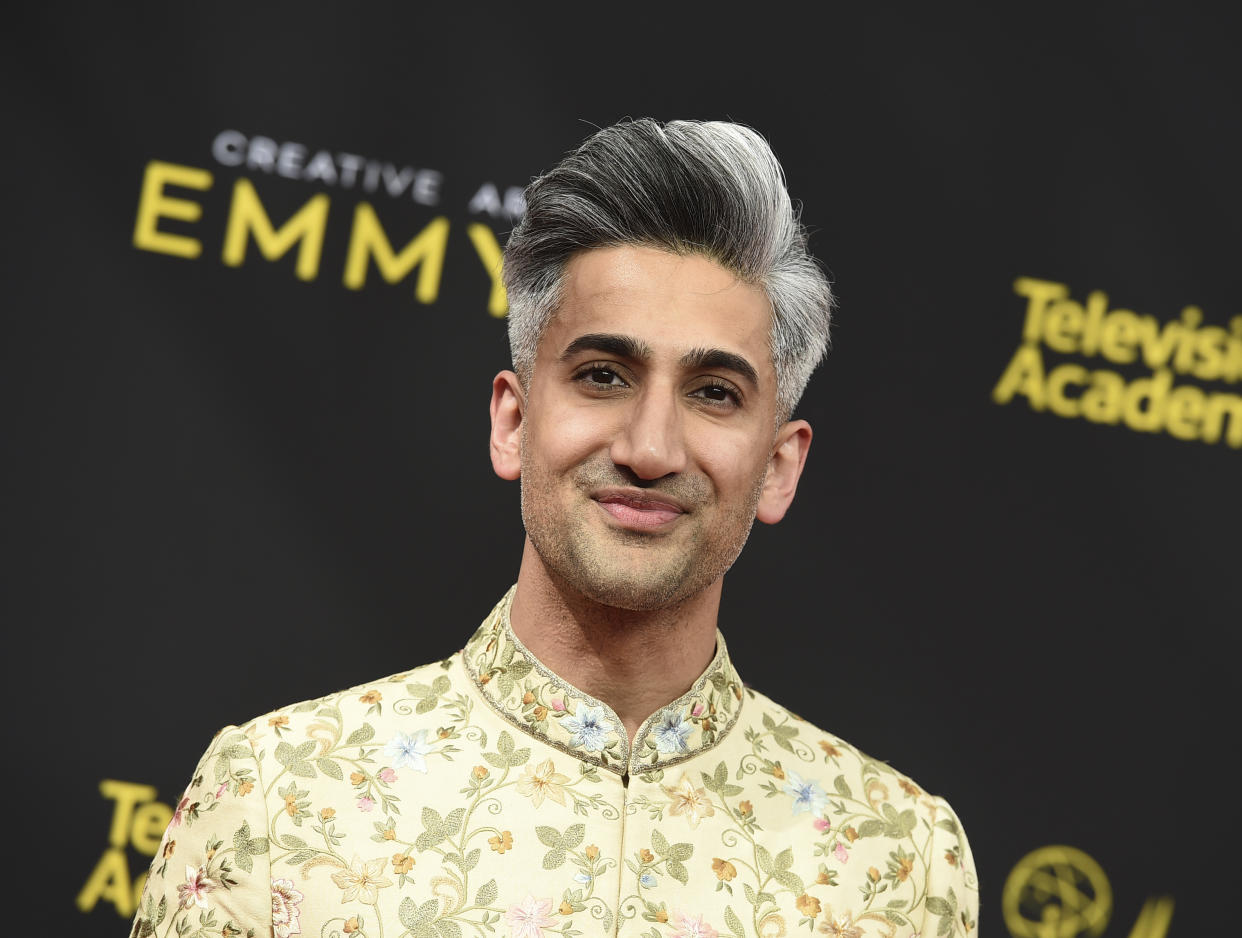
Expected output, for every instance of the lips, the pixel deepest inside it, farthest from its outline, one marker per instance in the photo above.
(639, 511)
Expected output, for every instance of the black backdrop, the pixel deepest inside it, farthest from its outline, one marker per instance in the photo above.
(230, 488)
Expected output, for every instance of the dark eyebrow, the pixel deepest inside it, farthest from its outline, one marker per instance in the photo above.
(718, 358)
(620, 346)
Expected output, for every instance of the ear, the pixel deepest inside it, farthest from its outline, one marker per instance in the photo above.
(508, 406)
(784, 469)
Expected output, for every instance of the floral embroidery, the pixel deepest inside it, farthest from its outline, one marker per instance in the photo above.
(493, 798)
(286, 907)
(543, 782)
(530, 917)
(688, 927)
(531, 697)
(590, 728)
(362, 881)
(807, 794)
(195, 888)
(688, 801)
(672, 732)
(405, 750)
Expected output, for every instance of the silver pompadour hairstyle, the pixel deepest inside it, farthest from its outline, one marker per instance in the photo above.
(690, 187)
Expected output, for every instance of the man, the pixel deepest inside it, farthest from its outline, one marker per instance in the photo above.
(591, 763)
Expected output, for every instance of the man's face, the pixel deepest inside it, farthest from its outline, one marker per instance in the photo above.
(648, 426)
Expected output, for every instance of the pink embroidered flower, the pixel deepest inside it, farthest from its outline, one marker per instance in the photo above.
(386, 775)
(698, 710)
(821, 824)
(557, 704)
(221, 790)
(195, 888)
(841, 853)
(365, 804)
(178, 815)
(530, 917)
(688, 927)
(285, 909)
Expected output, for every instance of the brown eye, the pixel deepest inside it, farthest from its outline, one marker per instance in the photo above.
(718, 394)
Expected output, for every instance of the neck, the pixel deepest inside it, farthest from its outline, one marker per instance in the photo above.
(636, 662)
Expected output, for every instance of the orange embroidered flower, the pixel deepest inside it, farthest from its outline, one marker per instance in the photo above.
(291, 804)
(566, 909)
(744, 808)
(851, 834)
(777, 770)
(327, 814)
(245, 788)
(724, 870)
(371, 696)
(873, 874)
(390, 834)
(356, 778)
(592, 852)
(481, 771)
(541, 713)
(401, 863)
(169, 847)
(646, 855)
(823, 879)
(484, 678)
(502, 842)
(910, 789)
(528, 698)
(951, 857)
(350, 926)
(830, 750)
(904, 867)
(808, 905)
(661, 915)
(280, 720)
(444, 732)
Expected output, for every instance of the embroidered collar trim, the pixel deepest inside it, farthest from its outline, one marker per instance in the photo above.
(537, 701)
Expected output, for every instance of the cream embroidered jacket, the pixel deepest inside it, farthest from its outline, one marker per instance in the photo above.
(483, 796)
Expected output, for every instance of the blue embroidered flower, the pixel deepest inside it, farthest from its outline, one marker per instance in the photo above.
(647, 880)
(671, 732)
(807, 795)
(590, 728)
(405, 749)
(582, 877)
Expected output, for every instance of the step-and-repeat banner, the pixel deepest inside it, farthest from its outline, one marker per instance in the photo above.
(254, 311)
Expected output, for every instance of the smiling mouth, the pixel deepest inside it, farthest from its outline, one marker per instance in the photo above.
(639, 512)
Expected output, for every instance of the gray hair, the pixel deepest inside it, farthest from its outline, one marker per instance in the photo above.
(690, 187)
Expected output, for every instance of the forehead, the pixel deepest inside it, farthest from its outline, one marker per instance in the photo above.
(673, 303)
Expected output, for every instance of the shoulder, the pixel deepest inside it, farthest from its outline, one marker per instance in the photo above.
(385, 700)
(871, 830)
(397, 709)
(825, 769)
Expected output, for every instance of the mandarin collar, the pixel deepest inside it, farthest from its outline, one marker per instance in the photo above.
(537, 701)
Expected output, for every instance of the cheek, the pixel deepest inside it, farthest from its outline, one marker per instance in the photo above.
(731, 460)
(566, 436)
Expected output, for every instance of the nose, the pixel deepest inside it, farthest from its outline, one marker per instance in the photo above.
(651, 443)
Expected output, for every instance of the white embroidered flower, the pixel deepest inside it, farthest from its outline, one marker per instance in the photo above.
(405, 749)
(286, 909)
(590, 728)
(362, 881)
(672, 732)
(529, 917)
